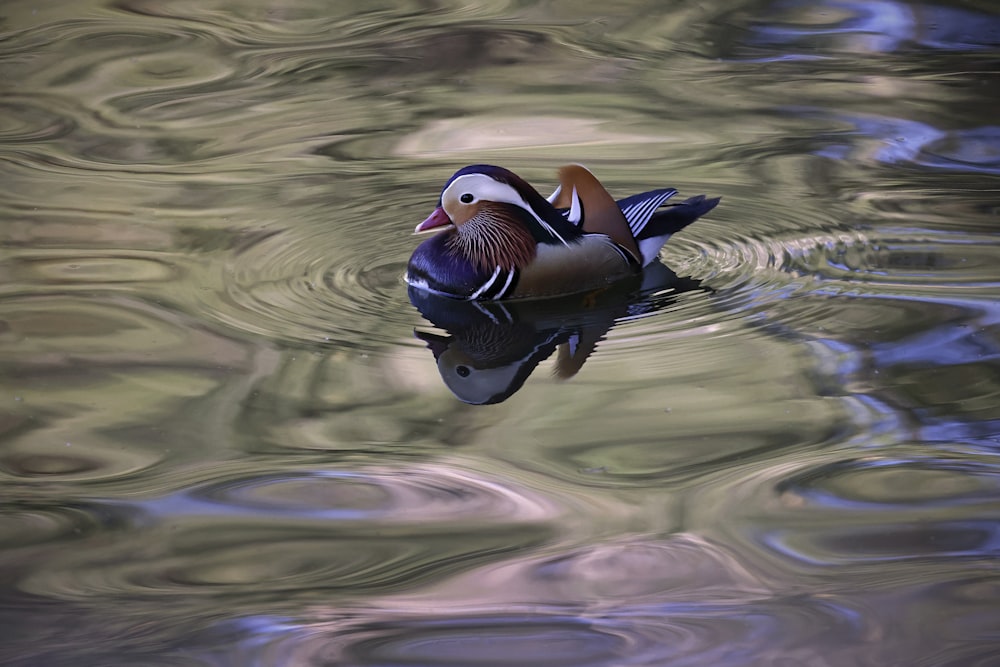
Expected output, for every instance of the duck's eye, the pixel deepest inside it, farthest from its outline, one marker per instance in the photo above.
(466, 198)
(463, 371)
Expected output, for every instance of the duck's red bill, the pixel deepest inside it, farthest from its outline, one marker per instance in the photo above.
(436, 219)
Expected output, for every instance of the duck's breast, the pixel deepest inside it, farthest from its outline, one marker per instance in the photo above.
(433, 266)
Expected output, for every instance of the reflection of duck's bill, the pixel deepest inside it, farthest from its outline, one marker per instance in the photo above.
(436, 343)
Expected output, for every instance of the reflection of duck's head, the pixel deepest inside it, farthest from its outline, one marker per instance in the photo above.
(492, 348)
(481, 381)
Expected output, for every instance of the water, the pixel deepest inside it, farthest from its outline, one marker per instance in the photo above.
(222, 443)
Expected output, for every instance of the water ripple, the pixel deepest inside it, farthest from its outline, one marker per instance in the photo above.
(254, 558)
(894, 141)
(886, 509)
(425, 495)
(604, 575)
(918, 542)
(878, 26)
(472, 641)
(752, 273)
(292, 287)
(884, 483)
(85, 269)
(118, 365)
(911, 258)
(24, 120)
(352, 532)
(74, 461)
(23, 524)
(668, 633)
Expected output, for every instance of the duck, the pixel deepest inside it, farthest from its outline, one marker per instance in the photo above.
(498, 238)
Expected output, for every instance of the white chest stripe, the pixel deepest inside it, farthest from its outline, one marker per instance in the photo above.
(488, 284)
(506, 286)
(488, 291)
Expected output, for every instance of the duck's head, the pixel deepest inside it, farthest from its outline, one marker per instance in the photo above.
(484, 197)
(497, 218)
(482, 190)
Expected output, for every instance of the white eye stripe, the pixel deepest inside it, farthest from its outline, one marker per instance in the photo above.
(482, 186)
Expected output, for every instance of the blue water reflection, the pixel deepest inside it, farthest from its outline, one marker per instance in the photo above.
(900, 141)
(879, 26)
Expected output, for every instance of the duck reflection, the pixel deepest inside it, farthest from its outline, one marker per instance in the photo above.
(492, 347)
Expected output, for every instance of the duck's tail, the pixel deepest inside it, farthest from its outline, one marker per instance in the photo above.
(668, 220)
(674, 217)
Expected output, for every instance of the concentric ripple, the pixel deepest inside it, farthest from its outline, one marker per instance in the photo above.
(325, 283)
(80, 268)
(330, 283)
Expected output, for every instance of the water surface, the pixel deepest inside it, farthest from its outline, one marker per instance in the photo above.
(221, 442)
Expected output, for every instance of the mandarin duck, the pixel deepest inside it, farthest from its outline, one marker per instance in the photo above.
(503, 240)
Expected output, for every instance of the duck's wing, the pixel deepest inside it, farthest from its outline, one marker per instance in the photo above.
(591, 208)
(639, 209)
(661, 224)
